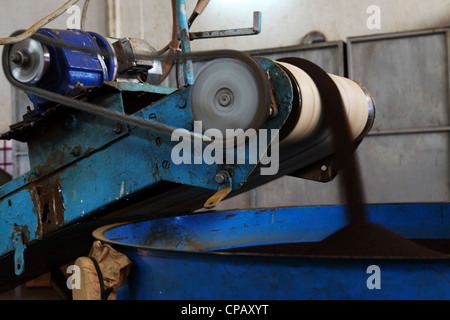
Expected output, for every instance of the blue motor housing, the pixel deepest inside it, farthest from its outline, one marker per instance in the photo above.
(68, 68)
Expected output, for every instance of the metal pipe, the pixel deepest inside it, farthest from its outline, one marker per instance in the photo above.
(254, 30)
(201, 5)
(392, 132)
(185, 41)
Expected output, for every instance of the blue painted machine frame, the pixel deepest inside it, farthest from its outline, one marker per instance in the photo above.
(90, 162)
(83, 163)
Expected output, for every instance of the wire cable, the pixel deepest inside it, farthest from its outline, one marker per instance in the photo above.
(35, 27)
(84, 14)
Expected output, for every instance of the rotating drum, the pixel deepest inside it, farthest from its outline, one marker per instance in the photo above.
(358, 103)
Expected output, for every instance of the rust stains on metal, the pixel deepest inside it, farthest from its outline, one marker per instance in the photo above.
(251, 226)
(172, 237)
(262, 211)
(48, 205)
(51, 165)
(76, 152)
(273, 99)
(23, 230)
(218, 230)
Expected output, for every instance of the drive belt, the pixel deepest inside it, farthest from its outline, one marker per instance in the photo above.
(261, 80)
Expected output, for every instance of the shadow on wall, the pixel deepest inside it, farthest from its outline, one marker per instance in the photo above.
(4, 177)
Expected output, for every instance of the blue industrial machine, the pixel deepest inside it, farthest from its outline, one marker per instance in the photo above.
(109, 144)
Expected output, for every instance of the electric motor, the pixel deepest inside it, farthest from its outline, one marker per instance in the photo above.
(62, 70)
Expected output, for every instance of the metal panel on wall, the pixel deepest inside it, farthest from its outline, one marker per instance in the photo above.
(330, 56)
(406, 157)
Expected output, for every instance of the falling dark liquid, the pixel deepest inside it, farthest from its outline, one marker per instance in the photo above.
(360, 238)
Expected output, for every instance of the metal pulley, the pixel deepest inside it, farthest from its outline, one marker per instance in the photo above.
(226, 96)
(29, 61)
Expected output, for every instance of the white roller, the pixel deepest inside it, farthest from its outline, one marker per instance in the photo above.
(311, 106)
(355, 102)
(353, 96)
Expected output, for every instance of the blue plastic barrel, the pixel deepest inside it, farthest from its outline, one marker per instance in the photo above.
(193, 257)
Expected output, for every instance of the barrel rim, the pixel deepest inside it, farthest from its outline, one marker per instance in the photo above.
(98, 234)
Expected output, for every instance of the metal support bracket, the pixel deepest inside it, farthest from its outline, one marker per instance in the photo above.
(225, 179)
(256, 29)
(19, 248)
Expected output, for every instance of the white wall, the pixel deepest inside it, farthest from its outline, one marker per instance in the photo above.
(285, 22)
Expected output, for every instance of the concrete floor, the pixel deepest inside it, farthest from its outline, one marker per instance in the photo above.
(37, 289)
(26, 293)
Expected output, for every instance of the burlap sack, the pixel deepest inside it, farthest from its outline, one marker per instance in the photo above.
(115, 268)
